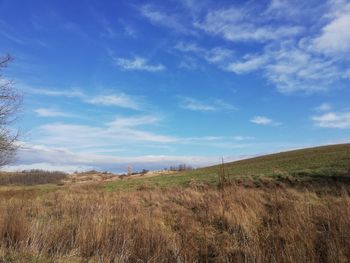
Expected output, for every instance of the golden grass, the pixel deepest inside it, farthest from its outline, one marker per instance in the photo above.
(236, 223)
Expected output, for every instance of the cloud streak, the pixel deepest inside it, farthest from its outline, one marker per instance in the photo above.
(138, 64)
(333, 120)
(48, 112)
(214, 55)
(238, 24)
(120, 100)
(263, 120)
(114, 99)
(163, 19)
(197, 105)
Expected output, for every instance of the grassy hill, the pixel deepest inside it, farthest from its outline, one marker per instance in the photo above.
(43, 220)
(304, 164)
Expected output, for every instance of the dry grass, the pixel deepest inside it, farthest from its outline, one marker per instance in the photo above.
(270, 222)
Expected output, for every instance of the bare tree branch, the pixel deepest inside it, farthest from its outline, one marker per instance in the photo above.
(10, 101)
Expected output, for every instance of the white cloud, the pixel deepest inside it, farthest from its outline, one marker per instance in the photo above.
(189, 47)
(238, 24)
(249, 64)
(214, 55)
(220, 104)
(120, 100)
(197, 105)
(123, 122)
(278, 6)
(289, 9)
(335, 36)
(109, 135)
(323, 107)
(48, 112)
(130, 31)
(160, 18)
(36, 156)
(218, 54)
(138, 63)
(54, 93)
(291, 69)
(110, 138)
(262, 120)
(337, 120)
(50, 158)
(190, 63)
(291, 57)
(243, 138)
(115, 99)
(195, 6)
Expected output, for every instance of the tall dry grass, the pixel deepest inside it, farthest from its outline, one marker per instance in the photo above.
(196, 224)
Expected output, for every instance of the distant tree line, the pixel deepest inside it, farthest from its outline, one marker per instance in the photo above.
(31, 177)
(180, 168)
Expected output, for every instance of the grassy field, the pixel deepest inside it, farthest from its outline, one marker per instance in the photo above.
(305, 164)
(287, 207)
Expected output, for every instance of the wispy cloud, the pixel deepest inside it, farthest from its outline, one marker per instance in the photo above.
(123, 122)
(263, 120)
(336, 120)
(109, 31)
(53, 93)
(163, 19)
(130, 31)
(112, 134)
(223, 105)
(197, 105)
(138, 63)
(49, 112)
(11, 34)
(213, 55)
(288, 56)
(323, 107)
(115, 99)
(292, 69)
(239, 24)
(122, 134)
(249, 63)
(120, 100)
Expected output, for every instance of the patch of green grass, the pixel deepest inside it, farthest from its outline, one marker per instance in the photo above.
(178, 179)
(333, 160)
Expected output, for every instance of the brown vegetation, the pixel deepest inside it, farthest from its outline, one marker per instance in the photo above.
(251, 222)
(31, 177)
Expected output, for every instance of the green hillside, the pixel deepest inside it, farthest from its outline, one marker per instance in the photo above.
(332, 160)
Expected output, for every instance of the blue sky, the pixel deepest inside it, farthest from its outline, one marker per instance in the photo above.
(154, 83)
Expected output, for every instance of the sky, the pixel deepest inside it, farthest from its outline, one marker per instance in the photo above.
(108, 84)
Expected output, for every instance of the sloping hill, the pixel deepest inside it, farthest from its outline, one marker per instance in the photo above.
(332, 160)
(324, 160)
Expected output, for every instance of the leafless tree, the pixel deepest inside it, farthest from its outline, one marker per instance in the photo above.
(9, 106)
